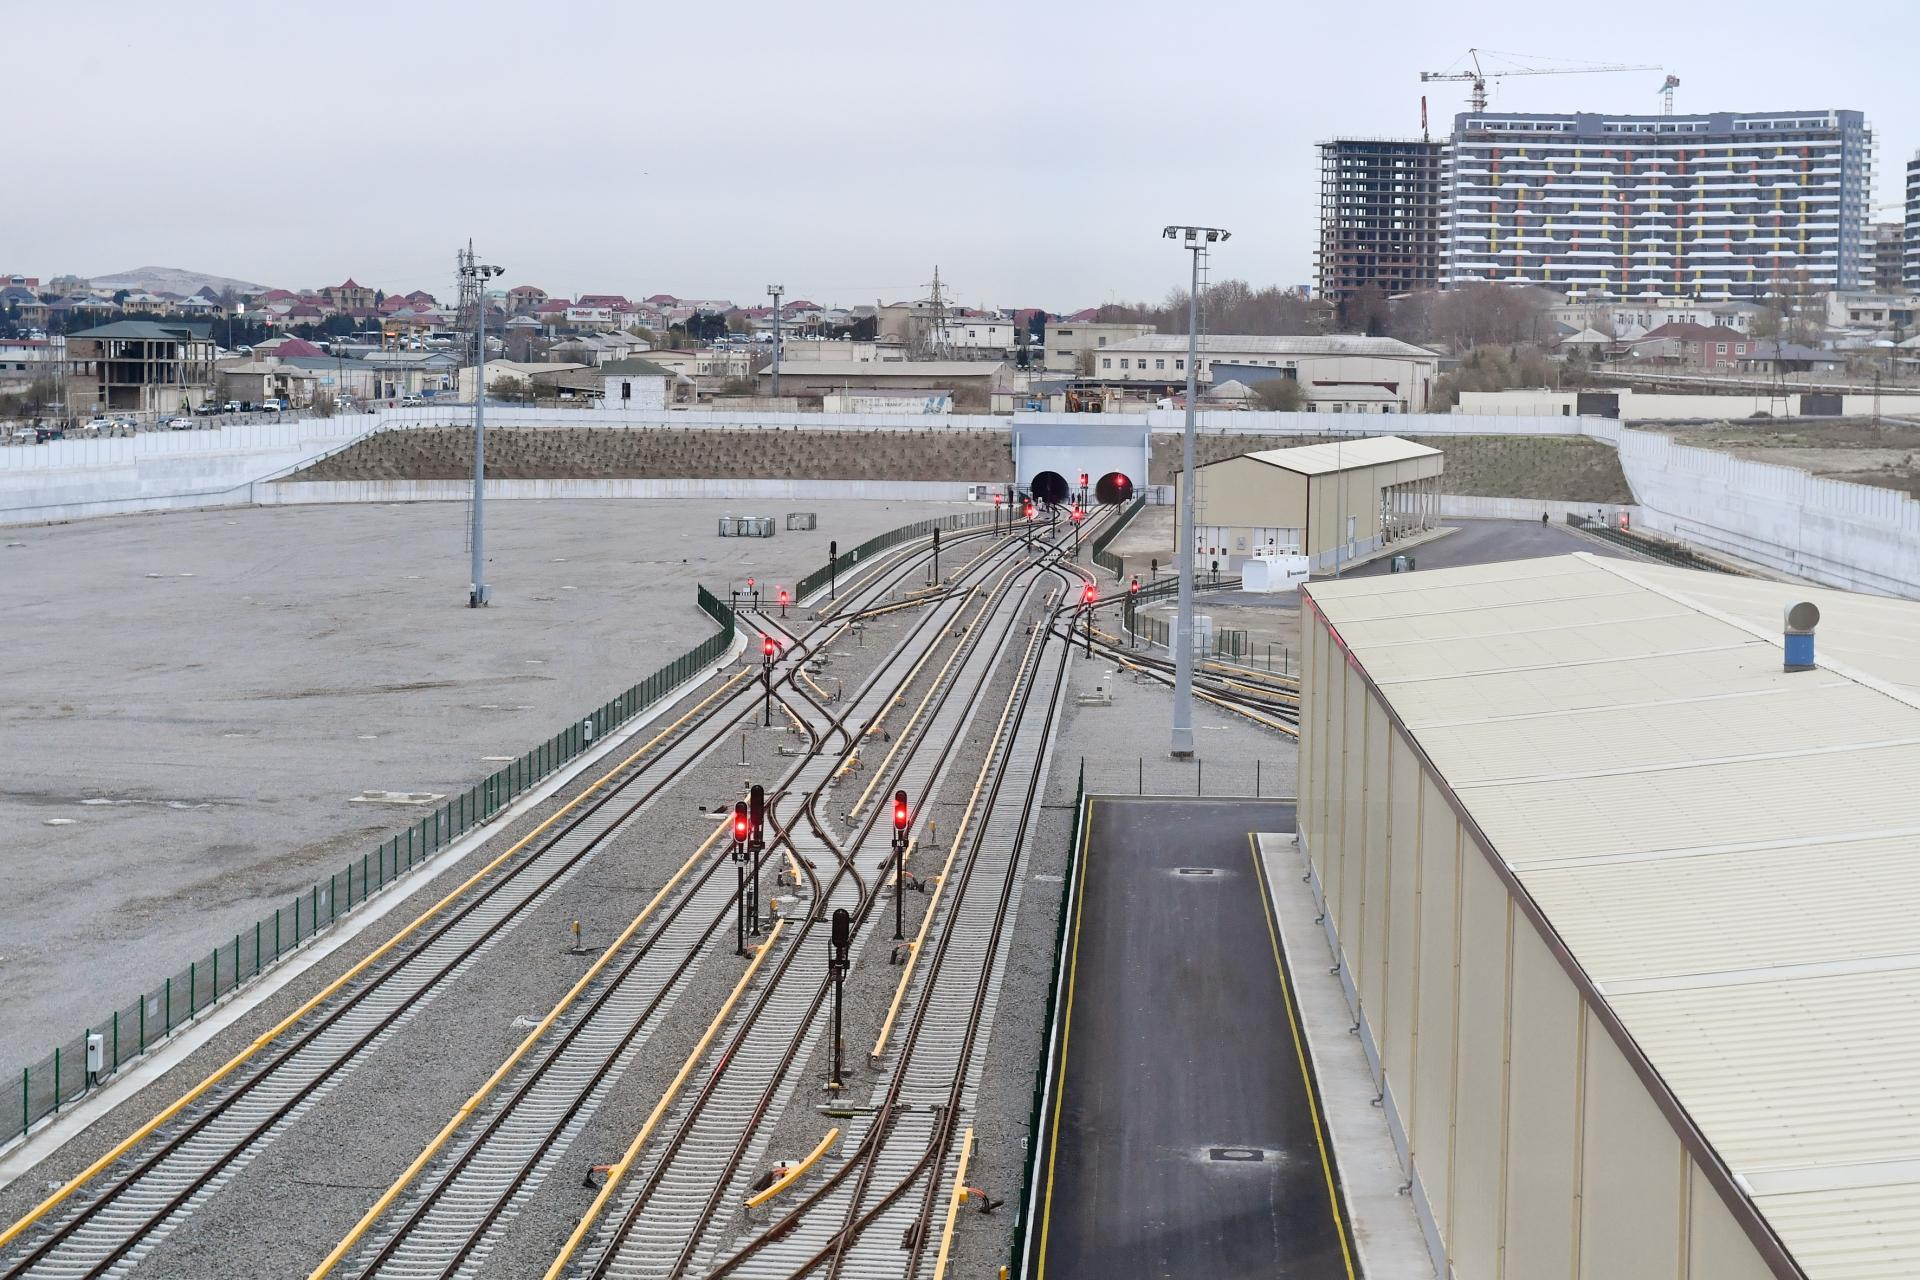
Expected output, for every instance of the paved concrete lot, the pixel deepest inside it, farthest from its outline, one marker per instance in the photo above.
(1487, 541)
(192, 699)
(1184, 1138)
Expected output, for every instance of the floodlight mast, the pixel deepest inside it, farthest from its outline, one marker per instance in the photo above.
(1196, 241)
(473, 279)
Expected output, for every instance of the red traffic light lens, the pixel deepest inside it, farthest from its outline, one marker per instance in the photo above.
(900, 810)
(783, 595)
(740, 826)
(766, 646)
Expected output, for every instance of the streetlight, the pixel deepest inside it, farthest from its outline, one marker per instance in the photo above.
(1196, 241)
(774, 291)
(473, 277)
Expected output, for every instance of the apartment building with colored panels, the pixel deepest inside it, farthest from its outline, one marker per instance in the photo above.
(1717, 206)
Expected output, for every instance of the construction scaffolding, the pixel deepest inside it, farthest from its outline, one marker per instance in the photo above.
(1380, 201)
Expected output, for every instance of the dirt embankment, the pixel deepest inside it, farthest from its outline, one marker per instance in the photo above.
(1567, 469)
(593, 453)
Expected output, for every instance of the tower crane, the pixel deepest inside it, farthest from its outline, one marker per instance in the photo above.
(1480, 75)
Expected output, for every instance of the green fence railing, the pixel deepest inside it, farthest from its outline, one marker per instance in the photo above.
(62, 1077)
(1112, 563)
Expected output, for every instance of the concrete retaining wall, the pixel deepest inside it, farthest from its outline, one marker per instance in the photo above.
(323, 491)
(1647, 406)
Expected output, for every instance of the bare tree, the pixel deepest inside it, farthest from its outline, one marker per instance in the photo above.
(1280, 395)
(1232, 306)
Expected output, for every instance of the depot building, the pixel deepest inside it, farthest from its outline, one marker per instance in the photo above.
(1619, 878)
(1329, 502)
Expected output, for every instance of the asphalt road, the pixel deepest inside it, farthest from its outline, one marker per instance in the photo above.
(1185, 1139)
(1488, 541)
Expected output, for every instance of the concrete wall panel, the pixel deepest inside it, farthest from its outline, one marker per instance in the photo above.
(1397, 1012)
(1375, 946)
(1473, 1234)
(1631, 1171)
(1717, 1249)
(1431, 1123)
(1542, 1105)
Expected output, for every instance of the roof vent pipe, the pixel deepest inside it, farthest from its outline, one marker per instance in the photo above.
(1801, 619)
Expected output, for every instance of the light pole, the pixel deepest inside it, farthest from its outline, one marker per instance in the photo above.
(473, 278)
(774, 291)
(1195, 240)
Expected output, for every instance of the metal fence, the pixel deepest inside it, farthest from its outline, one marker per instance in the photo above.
(1113, 564)
(1234, 777)
(64, 1075)
(880, 542)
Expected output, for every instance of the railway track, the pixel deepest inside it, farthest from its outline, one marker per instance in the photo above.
(686, 1205)
(452, 1227)
(144, 1188)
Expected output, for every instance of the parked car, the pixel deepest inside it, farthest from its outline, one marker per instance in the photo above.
(409, 402)
(231, 406)
(101, 424)
(180, 424)
(207, 408)
(272, 406)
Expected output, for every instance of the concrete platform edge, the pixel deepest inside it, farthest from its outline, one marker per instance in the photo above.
(1388, 1236)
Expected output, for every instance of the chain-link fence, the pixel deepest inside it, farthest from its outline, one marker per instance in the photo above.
(102, 1049)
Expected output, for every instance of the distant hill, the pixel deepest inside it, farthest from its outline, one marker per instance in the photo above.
(171, 280)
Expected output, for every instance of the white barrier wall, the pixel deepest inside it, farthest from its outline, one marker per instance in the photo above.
(1647, 406)
(1831, 531)
(302, 492)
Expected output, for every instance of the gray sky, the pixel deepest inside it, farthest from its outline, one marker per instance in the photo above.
(1032, 150)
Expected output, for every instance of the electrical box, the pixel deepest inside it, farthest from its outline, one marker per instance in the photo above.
(96, 1053)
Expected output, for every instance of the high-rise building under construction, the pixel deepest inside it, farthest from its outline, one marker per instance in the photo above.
(1379, 215)
(1712, 206)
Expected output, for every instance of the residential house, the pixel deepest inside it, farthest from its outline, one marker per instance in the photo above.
(634, 383)
(1769, 357)
(140, 366)
(30, 359)
(349, 296)
(1694, 346)
(523, 298)
(1071, 344)
(1334, 369)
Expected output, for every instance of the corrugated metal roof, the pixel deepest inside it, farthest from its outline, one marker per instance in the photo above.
(1731, 851)
(1341, 455)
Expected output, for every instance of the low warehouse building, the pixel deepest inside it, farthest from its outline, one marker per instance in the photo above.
(1624, 906)
(1329, 502)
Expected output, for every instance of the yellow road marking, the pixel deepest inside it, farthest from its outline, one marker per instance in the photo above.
(1066, 1029)
(788, 1178)
(966, 817)
(619, 1171)
(461, 1116)
(232, 1064)
(953, 1207)
(1300, 1052)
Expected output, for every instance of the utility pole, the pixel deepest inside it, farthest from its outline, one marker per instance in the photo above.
(473, 277)
(1195, 240)
(774, 291)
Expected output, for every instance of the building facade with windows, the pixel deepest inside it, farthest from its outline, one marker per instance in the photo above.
(1395, 375)
(1725, 205)
(1072, 346)
(140, 366)
(1911, 271)
(1379, 215)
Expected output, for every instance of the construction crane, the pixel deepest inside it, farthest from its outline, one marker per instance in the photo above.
(1480, 75)
(1666, 94)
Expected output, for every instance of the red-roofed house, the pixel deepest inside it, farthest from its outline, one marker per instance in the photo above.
(662, 300)
(523, 298)
(612, 301)
(1694, 345)
(348, 296)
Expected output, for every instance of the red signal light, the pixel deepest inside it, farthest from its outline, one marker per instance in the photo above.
(1083, 479)
(767, 646)
(1029, 511)
(900, 810)
(1133, 587)
(996, 499)
(1078, 514)
(783, 595)
(1086, 596)
(740, 823)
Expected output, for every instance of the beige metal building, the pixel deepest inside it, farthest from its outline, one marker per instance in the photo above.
(1626, 913)
(1329, 502)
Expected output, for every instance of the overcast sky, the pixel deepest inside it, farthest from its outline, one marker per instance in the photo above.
(1032, 151)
